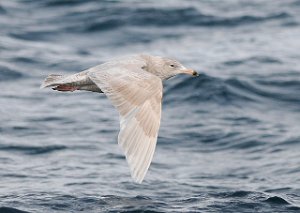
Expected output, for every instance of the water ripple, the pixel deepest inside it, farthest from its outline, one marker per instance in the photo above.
(32, 150)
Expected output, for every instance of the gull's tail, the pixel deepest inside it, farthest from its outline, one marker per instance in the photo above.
(52, 80)
(59, 83)
(70, 83)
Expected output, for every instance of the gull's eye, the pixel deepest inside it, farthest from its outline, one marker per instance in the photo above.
(172, 65)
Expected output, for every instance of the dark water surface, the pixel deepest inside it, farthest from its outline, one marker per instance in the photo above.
(229, 139)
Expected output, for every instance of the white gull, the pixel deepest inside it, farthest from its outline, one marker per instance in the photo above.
(134, 86)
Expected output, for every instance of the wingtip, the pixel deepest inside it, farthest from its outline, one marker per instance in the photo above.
(137, 180)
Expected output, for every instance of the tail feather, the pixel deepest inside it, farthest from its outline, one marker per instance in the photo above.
(52, 80)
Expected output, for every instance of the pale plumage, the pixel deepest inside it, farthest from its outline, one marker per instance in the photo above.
(134, 86)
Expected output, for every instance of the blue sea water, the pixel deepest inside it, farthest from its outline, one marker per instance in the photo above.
(229, 140)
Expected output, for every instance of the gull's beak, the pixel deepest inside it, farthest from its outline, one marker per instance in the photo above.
(190, 72)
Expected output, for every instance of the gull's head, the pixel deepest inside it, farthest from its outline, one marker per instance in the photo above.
(166, 68)
(172, 67)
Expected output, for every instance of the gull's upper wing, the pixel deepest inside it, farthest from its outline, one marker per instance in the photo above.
(137, 96)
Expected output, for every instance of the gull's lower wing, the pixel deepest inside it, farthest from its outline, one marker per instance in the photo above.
(137, 96)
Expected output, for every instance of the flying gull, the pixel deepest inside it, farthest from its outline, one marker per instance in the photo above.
(134, 86)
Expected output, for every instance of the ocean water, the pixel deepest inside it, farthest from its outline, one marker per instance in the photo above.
(229, 140)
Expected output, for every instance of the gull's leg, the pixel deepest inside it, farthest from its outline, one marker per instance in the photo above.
(66, 88)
